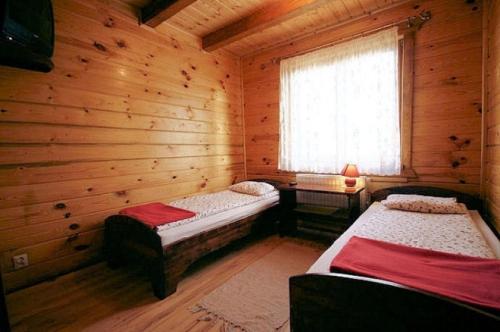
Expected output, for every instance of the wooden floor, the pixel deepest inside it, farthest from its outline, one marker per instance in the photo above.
(100, 299)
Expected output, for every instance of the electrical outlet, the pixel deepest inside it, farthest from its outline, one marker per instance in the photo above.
(20, 261)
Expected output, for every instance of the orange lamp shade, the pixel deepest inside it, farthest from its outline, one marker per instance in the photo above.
(350, 171)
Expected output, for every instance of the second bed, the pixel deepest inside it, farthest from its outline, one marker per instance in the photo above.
(321, 300)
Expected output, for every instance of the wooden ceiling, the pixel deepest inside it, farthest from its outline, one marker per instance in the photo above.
(203, 17)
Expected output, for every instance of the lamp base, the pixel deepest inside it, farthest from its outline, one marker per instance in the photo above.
(350, 182)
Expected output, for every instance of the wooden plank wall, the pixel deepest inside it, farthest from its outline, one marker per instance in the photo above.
(493, 114)
(447, 94)
(127, 116)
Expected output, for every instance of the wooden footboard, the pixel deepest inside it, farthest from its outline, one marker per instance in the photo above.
(129, 240)
(342, 302)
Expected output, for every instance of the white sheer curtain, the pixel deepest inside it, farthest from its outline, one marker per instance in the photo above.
(340, 105)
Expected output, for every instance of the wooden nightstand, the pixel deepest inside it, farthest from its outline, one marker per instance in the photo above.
(329, 220)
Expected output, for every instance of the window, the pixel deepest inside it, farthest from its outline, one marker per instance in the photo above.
(340, 105)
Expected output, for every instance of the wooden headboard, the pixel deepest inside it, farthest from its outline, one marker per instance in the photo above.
(472, 202)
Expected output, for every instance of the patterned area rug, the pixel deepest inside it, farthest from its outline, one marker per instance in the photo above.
(257, 298)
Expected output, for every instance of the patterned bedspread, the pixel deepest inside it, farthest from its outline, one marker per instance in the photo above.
(452, 233)
(210, 204)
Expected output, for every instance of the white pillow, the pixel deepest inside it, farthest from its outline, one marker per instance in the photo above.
(422, 197)
(252, 188)
(427, 204)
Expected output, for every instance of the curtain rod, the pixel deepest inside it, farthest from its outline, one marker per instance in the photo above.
(412, 22)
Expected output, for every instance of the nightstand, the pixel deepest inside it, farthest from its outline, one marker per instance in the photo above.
(313, 217)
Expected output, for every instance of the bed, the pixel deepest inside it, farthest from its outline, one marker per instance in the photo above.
(166, 252)
(323, 301)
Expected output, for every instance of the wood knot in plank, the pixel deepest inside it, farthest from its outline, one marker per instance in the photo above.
(82, 247)
(121, 43)
(100, 46)
(460, 143)
(74, 226)
(60, 206)
(109, 23)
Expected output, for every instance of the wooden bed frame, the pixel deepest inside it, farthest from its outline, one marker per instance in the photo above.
(4, 314)
(128, 240)
(344, 302)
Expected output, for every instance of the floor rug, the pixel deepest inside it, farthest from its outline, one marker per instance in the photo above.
(257, 299)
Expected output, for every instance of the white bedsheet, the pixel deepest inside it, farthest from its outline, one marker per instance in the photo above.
(214, 203)
(225, 216)
(462, 234)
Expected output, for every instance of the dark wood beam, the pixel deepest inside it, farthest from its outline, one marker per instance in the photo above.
(159, 11)
(269, 16)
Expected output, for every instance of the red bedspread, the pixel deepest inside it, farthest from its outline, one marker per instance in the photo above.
(157, 214)
(468, 279)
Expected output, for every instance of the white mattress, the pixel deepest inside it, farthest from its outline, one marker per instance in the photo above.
(186, 230)
(437, 232)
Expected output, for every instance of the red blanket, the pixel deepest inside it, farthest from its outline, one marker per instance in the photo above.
(468, 279)
(157, 214)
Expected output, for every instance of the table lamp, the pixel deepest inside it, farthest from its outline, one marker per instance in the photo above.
(350, 172)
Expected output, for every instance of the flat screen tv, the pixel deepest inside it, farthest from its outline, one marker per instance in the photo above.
(27, 34)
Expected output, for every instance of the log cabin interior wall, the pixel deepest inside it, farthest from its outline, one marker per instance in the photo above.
(446, 140)
(128, 115)
(132, 115)
(492, 134)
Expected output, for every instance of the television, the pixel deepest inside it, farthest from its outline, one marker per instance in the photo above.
(27, 34)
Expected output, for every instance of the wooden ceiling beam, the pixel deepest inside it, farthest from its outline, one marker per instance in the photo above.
(271, 15)
(159, 11)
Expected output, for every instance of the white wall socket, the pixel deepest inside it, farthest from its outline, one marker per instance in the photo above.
(20, 261)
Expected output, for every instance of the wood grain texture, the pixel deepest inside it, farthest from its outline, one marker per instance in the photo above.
(331, 13)
(446, 135)
(492, 153)
(207, 16)
(159, 11)
(128, 116)
(277, 12)
(100, 299)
